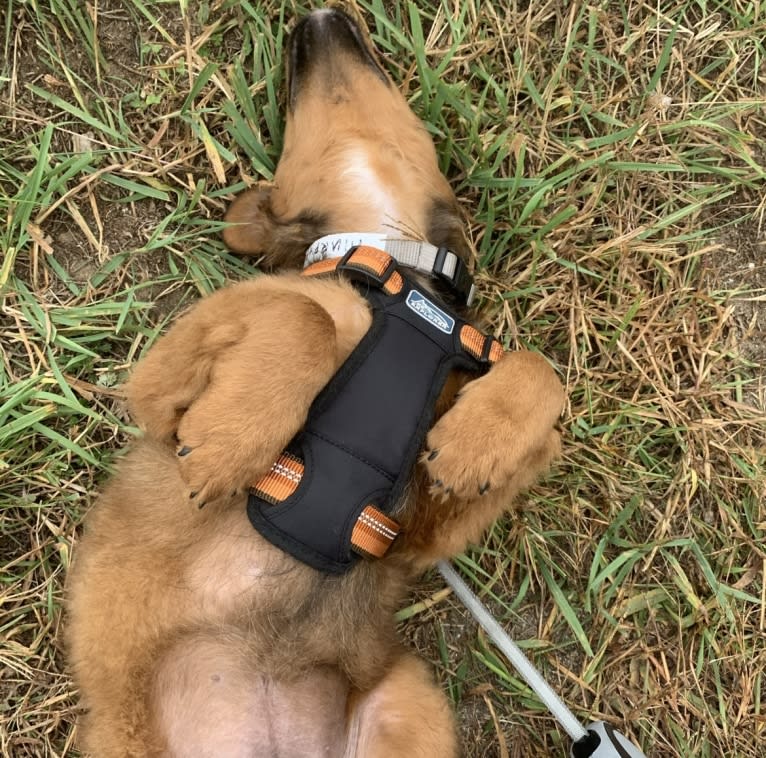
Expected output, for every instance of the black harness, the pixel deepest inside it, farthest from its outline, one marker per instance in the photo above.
(330, 496)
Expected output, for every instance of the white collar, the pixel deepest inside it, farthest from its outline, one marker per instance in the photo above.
(422, 256)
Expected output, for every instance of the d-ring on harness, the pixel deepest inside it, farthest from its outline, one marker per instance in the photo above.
(328, 498)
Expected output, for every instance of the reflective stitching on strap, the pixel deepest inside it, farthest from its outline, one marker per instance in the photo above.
(373, 532)
(293, 476)
(367, 520)
(281, 481)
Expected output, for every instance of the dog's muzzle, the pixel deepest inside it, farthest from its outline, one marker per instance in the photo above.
(320, 45)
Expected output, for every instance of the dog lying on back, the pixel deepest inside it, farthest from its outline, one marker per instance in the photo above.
(191, 635)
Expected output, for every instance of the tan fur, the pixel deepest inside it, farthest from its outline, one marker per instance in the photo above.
(189, 634)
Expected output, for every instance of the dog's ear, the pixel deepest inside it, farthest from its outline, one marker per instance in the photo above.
(256, 230)
(252, 222)
(446, 227)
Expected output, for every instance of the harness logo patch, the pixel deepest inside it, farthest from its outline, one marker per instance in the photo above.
(428, 311)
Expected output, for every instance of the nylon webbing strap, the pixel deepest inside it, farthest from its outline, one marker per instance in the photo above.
(282, 480)
(367, 260)
(419, 255)
(382, 267)
(373, 533)
(415, 254)
(479, 345)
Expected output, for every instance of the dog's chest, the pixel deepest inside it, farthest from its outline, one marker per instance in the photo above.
(234, 569)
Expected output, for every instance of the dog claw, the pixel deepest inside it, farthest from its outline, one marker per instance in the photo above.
(433, 455)
(484, 488)
(437, 483)
(183, 451)
(192, 495)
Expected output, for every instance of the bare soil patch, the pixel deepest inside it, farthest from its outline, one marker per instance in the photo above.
(739, 265)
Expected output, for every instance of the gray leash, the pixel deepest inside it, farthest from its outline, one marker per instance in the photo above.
(598, 740)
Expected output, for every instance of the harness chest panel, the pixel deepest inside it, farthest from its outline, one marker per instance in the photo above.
(348, 467)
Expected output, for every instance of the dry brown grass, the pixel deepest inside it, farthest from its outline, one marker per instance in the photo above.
(612, 156)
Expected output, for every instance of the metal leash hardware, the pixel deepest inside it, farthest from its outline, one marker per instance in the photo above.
(599, 739)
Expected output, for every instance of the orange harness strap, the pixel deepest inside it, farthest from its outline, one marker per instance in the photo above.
(373, 532)
(366, 260)
(382, 266)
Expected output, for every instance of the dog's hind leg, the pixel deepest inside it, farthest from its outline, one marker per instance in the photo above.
(406, 714)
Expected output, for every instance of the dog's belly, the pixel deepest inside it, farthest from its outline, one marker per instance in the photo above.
(209, 702)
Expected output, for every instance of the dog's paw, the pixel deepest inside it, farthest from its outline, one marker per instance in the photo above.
(469, 452)
(495, 428)
(219, 452)
(210, 471)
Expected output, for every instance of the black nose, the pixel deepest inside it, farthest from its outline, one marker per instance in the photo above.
(316, 43)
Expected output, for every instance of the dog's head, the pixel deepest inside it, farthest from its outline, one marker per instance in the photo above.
(355, 157)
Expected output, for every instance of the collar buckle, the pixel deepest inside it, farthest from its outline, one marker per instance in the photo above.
(448, 267)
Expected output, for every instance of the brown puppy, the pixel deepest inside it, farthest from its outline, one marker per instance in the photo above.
(189, 634)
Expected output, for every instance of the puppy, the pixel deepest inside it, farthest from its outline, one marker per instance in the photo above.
(191, 635)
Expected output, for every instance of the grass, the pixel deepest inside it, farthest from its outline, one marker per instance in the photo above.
(612, 158)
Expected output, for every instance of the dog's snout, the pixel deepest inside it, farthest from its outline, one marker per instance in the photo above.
(327, 40)
(328, 21)
(325, 32)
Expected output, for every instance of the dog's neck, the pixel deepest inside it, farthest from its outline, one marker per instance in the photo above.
(415, 254)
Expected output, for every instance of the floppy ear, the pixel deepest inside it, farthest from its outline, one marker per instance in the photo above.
(256, 230)
(446, 228)
(252, 222)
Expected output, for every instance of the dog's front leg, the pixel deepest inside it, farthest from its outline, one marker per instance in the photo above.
(178, 367)
(494, 442)
(482, 442)
(232, 382)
